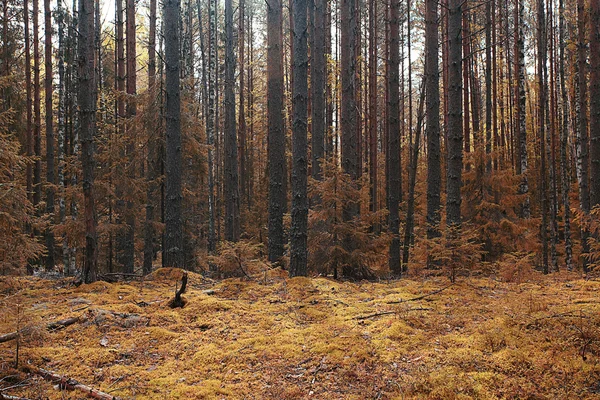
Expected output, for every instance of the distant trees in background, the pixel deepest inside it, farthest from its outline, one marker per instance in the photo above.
(354, 138)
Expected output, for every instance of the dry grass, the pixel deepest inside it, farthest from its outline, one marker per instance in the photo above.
(277, 338)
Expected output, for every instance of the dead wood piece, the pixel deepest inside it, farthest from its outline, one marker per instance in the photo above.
(7, 397)
(70, 384)
(421, 297)
(177, 301)
(63, 323)
(52, 326)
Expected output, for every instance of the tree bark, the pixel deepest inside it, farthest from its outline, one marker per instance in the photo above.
(298, 231)
(393, 121)
(37, 171)
(455, 126)
(231, 184)
(276, 133)
(318, 79)
(520, 106)
(173, 251)
(87, 118)
(594, 40)
(433, 119)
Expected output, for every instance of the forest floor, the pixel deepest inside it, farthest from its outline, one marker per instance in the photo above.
(278, 338)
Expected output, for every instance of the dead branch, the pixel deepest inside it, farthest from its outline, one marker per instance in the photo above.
(177, 300)
(379, 314)
(53, 326)
(7, 397)
(420, 297)
(70, 384)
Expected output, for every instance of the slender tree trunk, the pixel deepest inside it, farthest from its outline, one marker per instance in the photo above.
(298, 231)
(242, 153)
(173, 251)
(582, 133)
(564, 133)
(49, 133)
(29, 172)
(231, 185)
(488, 86)
(318, 80)
(87, 117)
(393, 122)
(412, 180)
(276, 131)
(594, 103)
(37, 171)
(455, 127)
(541, 60)
(433, 119)
(152, 168)
(61, 114)
(520, 103)
(210, 123)
(127, 242)
(349, 110)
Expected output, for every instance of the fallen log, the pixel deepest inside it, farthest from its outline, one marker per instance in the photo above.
(7, 397)
(70, 383)
(52, 326)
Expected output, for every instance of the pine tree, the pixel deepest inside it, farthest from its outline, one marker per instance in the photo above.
(173, 250)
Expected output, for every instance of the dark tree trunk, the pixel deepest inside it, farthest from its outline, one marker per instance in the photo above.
(49, 133)
(317, 80)
(564, 134)
(298, 231)
(520, 106)
(152, 168)
(211, 123)
(231, 184)
(542, 94)
(173, 251)
(37, 171)
(433, 119)
(488, 86)
(276, 132)
(349, 110)
(583, 154)
(29, 133)
(393, 121)
(373, 205)
(87, 118)
(594, 103)
(242, 150)
(455, 126)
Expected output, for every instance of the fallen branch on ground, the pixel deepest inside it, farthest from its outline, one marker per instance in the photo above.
(53, 326)
(7, 397)
(420, 297)
(379, 314)
(70, 383)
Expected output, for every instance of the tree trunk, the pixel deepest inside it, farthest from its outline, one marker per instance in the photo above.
(231, 185)
(87, 118)
(433, 119)
(152, 168)
(210, 123)
(488, 86)
(520, 106)
(276, 132)
(564, 134)
(393, 121)
(318, 79)
(49, 134)
(594, 103)
(455, 127)
(298, 231)
(541, 58)
(583, 155)
(37, 171)
(173, 251)
(242, 151)
(29, 172)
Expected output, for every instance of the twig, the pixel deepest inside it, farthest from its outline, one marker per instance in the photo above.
(70, 384)
(379, 314)
(52, 326)
(421, 297)
(7, 397)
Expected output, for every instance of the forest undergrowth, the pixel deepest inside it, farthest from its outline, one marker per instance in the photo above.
(272, 337)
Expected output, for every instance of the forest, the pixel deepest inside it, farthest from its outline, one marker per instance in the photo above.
(352, 198)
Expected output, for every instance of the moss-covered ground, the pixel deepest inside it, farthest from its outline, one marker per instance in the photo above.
(278, 338)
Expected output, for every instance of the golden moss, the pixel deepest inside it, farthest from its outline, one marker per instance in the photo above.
(288, 338)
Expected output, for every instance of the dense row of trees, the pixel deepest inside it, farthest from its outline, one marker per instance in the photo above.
(393, 134)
